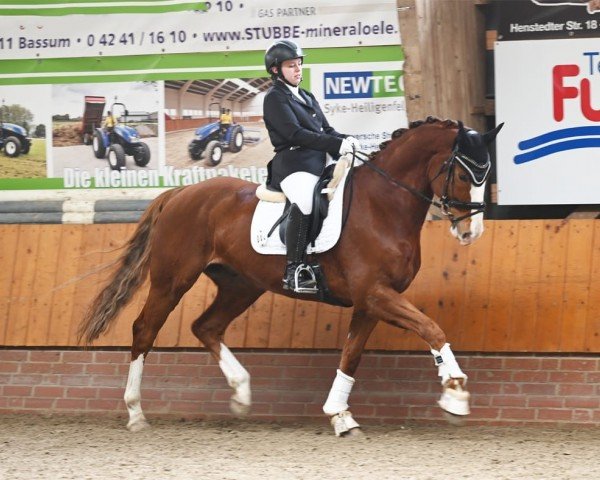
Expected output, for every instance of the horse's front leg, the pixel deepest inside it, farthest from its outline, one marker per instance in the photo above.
(336, 406)
(394, 309)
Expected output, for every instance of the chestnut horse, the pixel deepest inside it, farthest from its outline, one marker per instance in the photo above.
(205, 228)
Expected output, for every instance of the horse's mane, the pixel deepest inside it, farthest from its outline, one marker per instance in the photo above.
(417, 123)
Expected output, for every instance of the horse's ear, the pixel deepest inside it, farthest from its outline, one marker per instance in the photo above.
(488, 137)
(461, 131)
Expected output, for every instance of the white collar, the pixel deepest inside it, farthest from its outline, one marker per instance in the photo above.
(295, 91)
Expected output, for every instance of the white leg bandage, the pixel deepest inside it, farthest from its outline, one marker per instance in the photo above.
(133, 395)
(237, 376)
(337, 401)
(447, 364)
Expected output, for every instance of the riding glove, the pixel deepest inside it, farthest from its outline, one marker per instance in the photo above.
(355, 143)
(347, 146)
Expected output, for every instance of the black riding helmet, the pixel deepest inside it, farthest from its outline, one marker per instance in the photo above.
(279, 52)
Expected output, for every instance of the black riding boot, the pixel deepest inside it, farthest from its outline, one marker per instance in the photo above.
(298, 276)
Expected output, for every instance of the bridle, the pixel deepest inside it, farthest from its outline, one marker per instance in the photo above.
(445, 203)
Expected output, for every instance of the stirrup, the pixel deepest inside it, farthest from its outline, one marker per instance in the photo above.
(306, 270)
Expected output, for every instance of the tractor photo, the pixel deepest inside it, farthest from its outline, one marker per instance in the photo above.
(212, 139)
(13, 139)
(120, 140)
(92, 117)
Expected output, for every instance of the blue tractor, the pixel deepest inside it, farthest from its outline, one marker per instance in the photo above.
(212, 139)
(121, 141)
(13, 138)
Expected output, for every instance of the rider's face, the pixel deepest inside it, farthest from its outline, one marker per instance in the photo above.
(292, 70)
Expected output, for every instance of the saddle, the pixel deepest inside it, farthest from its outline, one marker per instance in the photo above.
(322, 195)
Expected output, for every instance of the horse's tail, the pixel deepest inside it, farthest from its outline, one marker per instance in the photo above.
(130, 274)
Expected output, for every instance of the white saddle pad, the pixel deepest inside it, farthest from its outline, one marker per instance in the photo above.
(267, 213)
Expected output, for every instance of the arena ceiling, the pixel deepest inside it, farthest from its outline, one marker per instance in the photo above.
(230, 89)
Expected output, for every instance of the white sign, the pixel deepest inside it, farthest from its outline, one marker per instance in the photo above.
(348, 94)
(227, 26)
(548, 95)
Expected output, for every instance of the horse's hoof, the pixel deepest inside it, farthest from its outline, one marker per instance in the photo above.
(353, 433)
(455, 401)
(138, 425)
(343, 424)
(455, 420)
(239, 409)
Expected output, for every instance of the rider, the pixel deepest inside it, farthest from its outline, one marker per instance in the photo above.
(109, 124)
(225, 120)
(303, 140)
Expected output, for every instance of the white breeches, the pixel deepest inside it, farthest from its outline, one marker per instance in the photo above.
(299, 188)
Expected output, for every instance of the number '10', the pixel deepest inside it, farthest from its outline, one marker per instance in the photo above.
(226, 6)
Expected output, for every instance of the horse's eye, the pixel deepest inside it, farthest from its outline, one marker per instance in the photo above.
(463, 177)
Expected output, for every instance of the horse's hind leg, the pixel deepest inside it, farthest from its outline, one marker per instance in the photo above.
(394, 309)
(162, 299)
(234, 296)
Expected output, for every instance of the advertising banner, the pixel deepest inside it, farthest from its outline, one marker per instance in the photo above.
(546, 19)
(205, 27)
(128, 95)
(548, 95)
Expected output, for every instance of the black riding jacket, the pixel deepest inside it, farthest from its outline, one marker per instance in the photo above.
(299, 132)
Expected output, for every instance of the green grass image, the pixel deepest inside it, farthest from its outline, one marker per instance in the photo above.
(30, 165)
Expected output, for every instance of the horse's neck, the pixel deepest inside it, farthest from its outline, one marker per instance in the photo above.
(410, 170)
(409, 158)
(407, 163)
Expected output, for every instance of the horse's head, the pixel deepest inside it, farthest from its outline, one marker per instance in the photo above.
(460, 180)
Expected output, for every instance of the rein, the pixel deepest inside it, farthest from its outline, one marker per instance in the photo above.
(445, 203)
